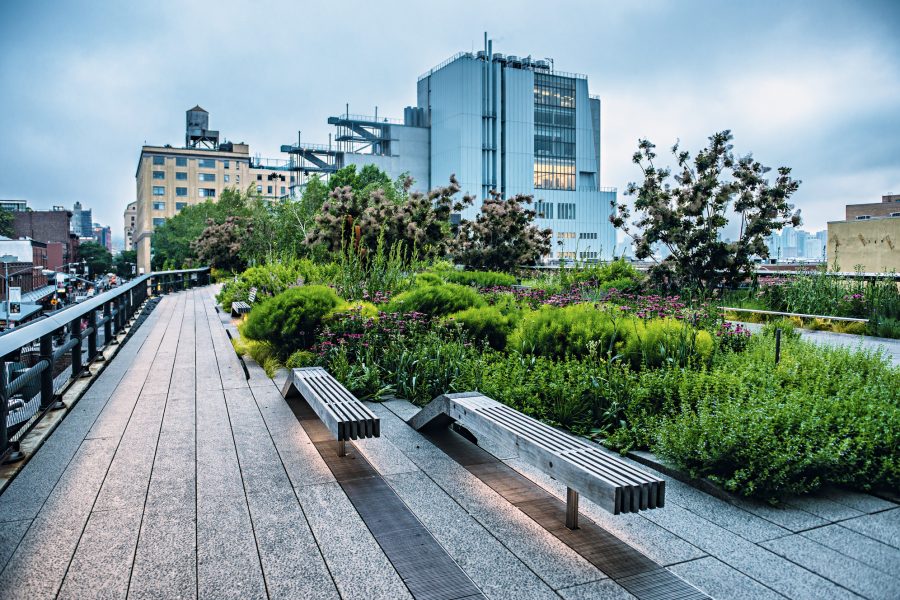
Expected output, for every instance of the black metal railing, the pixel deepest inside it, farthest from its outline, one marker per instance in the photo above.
(39, 361)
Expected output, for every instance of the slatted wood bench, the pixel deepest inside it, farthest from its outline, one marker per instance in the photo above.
(345, 416)
(585, 468)
(241, 308)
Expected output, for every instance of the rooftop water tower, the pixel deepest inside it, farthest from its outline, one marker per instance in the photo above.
(197, 133)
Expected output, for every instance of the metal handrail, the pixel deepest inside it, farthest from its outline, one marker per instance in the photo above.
(107, 313)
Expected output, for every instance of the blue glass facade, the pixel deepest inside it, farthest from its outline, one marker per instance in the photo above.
(515, 126)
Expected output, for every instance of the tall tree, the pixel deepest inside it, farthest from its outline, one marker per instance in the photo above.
(220, 244)
(99, 259)
(124, 262)
(689, 215)
(503, 237)
(7, 223)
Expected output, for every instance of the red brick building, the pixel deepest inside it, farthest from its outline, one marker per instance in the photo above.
(49, 227)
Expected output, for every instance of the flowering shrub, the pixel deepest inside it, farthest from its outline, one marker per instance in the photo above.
(734, 337)
(291, 320)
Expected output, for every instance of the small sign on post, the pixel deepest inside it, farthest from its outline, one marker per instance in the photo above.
(15, 300)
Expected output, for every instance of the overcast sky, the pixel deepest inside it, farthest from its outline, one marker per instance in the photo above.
(811, 85)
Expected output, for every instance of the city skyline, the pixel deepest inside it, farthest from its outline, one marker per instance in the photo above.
(809, 86)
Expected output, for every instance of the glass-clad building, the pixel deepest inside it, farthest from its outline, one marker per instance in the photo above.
(517, 126)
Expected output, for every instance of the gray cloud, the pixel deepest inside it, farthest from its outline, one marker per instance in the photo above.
(811, 85)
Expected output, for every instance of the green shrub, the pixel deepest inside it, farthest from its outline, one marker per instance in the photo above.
(300, 359)
(885, 327)
(423, 279)
(853, 327)
(268, 279)
(487, 323)
(436, 300)
(663, 341)
(290, 320)
(480, 278)
(355, 307)
(560, 332)
(788, 329)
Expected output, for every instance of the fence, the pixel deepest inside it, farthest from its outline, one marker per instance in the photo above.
(39, 361)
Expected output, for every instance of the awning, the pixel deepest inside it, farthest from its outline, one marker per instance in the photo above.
(27, 310)
(38, 294)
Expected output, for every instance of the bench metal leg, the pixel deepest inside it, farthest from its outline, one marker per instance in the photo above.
(571, 508)
(342, 448)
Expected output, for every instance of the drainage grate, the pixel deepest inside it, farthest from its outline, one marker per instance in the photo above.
(422, 563)
(628, 567)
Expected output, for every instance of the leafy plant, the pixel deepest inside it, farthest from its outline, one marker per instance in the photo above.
(687, 217)
(436, 300)
(291, 320)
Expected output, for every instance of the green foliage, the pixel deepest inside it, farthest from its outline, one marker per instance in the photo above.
(7, 224)
(480, 279)
(486, 324)
(688, 216)
(822, 416)
(124, 262)
(300, 359)
(356, 221)
(291, 320)
(502, 237)
(788, 329)
(269, 279)
(220, 244)
(436, 300)
(99, 260)
(560, 332)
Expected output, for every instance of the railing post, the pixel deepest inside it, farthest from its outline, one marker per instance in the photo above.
(15, 453)
(107, 323)
(48, 399)
(116, 312)
(75, 334)
(571, 508)
(92, 336)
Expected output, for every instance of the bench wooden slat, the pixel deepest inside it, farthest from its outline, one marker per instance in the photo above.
(584, 467)
(341, 412)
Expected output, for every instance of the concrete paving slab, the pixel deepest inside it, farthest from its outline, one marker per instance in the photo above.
(228, 564)
(842, 570)
(350, 551)
(883, 526)
(165, 562)
(721, 581)
(783, 576)
(823, 507)
(862, 502)
(101, 566)
(11, 533)
(858, 546)
(661, 545)
(490, 565)
(598, 590)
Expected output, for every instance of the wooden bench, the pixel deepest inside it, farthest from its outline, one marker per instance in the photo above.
(242, 308)
(584, 467)
(345, 416)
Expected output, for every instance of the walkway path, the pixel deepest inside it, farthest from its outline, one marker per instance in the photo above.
(890, 347)
(177, 477)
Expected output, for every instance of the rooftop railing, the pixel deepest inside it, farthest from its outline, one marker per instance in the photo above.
(40, 360)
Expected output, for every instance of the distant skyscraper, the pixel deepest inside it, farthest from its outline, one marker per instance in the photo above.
(82, 221)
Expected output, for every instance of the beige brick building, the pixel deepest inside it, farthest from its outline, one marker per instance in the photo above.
(169, 179)
(869, 238)
(129, 221)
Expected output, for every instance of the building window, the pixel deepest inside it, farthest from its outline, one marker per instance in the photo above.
(259, 177)
(237, 179)
(226, 178)
(282, 190)
(159, 160)
(180, 205)
(897, 214)
(863, 217)
(259, 189)
(207, 192)
(181, 191)
(180, 161)
(226, 164)
(158, 221)
(565, 255)
(292, 179)
(566, 210)
(159, 174)
(269, 190)
(543, 210)
(206, 163)
(159, 190)
(565, 235)
(159, 206)
(181, 175)
(587, 236)
(554, 132)
(588, 254)
(207, 176)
